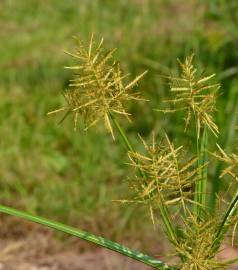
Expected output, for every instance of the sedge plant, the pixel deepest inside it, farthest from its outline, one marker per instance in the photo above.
(167, 178)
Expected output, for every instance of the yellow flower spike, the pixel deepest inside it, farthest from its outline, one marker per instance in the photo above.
(194, 95)
(97, 88)
(196, 243)
(167, 177)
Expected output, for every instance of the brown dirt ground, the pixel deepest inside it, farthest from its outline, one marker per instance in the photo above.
(27, 246)
(37, 252)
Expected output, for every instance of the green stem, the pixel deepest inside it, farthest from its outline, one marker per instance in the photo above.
(122, 133)
(167, 223)
(197, 184)
(201, 184)
(215, 187)
(100, 241)
(204, 168)
(124, 138)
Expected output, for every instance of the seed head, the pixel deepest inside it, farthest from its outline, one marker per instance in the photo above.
(165, 177)
(195, 245)
(194, 95)
(97, 87)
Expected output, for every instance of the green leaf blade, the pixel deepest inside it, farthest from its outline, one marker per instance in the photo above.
(100, 241)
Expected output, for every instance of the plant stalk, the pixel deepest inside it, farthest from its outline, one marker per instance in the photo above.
(201, 184)
(122, 133)
(167, 223)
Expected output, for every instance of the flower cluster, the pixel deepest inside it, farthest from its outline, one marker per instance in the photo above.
(194, 95)
(163, 177)
(97, 87)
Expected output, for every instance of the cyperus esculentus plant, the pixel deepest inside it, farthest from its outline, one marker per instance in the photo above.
(167, 179)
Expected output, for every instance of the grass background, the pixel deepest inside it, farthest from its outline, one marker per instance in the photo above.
(73, 176)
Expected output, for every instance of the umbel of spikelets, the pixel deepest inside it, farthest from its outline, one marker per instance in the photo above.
(195, 245)
(97, 87)
(164, 177)
(193, 94)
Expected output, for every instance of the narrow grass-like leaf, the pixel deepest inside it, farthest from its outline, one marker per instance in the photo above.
(224, 226)
(100, 241)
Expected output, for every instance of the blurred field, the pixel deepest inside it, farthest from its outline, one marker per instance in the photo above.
(72, 177)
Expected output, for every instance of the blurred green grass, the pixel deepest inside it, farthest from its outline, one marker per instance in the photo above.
(72, 177)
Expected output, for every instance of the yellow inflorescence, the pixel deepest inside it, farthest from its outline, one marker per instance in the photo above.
(165, 178)
(194, 95)
(97, 87)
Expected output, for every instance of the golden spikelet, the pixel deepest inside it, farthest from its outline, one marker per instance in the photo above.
(97, 87)
(194, 95)
(232, 163)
